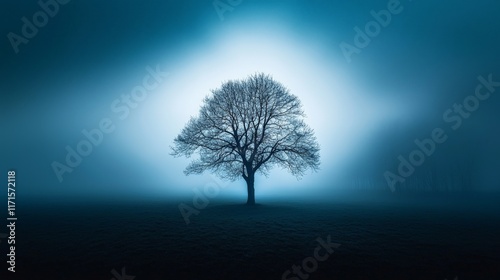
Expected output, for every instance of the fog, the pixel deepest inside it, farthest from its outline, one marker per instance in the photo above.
(365, 113)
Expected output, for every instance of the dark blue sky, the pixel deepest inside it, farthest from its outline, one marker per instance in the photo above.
(365, 113)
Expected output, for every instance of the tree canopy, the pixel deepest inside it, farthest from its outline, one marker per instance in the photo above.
(248, 126)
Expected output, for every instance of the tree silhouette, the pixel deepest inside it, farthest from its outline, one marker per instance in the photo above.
(249, 126)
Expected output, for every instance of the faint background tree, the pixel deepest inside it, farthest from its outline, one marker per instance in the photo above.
(249, 126)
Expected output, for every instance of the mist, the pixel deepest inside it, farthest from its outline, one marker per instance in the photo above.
(402, 97)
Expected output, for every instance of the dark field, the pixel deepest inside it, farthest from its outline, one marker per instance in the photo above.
(387, 237)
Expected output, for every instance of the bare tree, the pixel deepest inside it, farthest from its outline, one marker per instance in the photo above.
(249, 126)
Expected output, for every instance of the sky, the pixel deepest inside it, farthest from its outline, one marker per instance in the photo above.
(367, 102)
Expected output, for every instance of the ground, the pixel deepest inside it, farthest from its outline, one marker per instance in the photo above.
(391, 237)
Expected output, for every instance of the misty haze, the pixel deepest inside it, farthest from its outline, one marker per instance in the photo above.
(235, 139)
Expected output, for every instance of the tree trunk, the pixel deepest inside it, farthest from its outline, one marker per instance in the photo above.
(251, 191)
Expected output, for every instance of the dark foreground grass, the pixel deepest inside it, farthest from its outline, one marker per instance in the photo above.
(425, 238)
